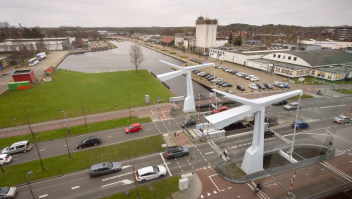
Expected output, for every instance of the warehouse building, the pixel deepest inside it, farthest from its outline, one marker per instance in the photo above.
(60, 43)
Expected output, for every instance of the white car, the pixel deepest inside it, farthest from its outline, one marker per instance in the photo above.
(227, 70)
(150, 173)
(253, 86)
(5, 159)
(220, 67)
(201, 73)
(254, 79)
(216, 80)
(239, 73)
(242, 74)
(249, 76)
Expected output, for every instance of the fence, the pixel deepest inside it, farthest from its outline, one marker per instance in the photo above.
(220, 167)
(189, 134)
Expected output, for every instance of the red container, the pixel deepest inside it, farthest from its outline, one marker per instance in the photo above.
(23, 75)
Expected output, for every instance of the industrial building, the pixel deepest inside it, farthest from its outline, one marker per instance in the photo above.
(329, 44)
(206, 30)
(343, 33)
(60, 43)
(179, 39)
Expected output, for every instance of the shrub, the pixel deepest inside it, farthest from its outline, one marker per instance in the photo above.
(184, 56)
(163, 50)
(172, 52)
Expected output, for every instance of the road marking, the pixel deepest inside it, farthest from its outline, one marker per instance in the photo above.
(208, 153)
(109, 136)
(148, 129)
(165, 164)
(213, 181)
(208, 194)
(42, 196)
(233, 147)
(75, 187)
(42, 150)
(126, 181)
(330, 133)
(113, 177)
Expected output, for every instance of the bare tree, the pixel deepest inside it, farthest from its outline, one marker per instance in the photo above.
(183, 49)
(136, 56)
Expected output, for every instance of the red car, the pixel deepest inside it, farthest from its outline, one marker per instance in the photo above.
(220, 109)
(133, 128)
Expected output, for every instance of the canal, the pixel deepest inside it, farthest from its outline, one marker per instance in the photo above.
(118, 59)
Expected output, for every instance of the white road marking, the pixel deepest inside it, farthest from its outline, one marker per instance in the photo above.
(208, 153)
(113, 177)
(75, 187)
(42, 150)
(42, 196)
(126, 181)
(213, 181)
(165, 164)
(109, 136)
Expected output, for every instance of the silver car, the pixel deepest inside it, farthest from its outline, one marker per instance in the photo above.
(292, 105)
(8, 192)
(342, 119)
(22, 146)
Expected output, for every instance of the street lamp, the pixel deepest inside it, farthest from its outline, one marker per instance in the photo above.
(68, 128)
(17, 126)
(30, 175)
(117, 115)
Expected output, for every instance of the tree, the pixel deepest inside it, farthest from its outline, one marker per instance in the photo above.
(238, 41)
(183, 49)
(230, 39)
(136, 56)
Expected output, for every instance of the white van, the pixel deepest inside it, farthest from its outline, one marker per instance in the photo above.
(33, 62)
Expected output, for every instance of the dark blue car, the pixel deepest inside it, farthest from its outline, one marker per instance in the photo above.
(301, 125)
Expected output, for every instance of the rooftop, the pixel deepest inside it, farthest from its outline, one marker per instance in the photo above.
(324, 57)
(167, 39)
(280, 64)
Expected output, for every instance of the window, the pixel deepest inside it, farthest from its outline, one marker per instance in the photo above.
(278, 56)
(297, 72)
(302, 72)
(274, 55)
(313, 72)
(295, 59)
(329, 76)
(289, 58)
(283, 57)
(277, 70)
(338, 76)
(307, 72)
(323, 74)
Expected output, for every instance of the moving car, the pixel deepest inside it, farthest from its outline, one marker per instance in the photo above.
(8, 192)
(176, 151)
(89, 141)
(220, 109)
(150, 173)
(17, 147)
(253, 86)
(5, 159)
(104, 168)
(269, 86)
(342, 119)
(241, 88)
(292, 105)
(282, 102)
(254, 79)
(300, 125)
(133, 128)
(188, 122)
(268, 133)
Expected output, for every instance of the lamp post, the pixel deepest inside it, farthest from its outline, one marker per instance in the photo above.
(295, 126)
(18, 128)
(30, 175)
(68, 128)
(117, 115)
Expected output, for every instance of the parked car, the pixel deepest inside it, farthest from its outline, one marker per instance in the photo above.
(206, 77)
(149, 173)
(268, 86)
(342, 119)
(241, 88)
(89, 141)
(17, 147)
(220, 67)
(242, 74)
(8, 192)
(209, 76)
(5, 159)
(249, 77)
(226, 69)
(282, 102)
(253, 86)
(219, 109)
(201, 73)
(278, 84)
(176, 151)
(104, 168)
(239, 73)
(234, 72)
(292, 105)
(268, 133)
(223, 83)
(133, 128)
(261, 86)
(188, 122)
(254, 79)
(300, 125)
(216, 80)
(205, 74)
(227, 85)
(196, 71)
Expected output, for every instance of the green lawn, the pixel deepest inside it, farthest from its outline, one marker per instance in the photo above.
(343, 91)
(158, 190)
(309, 81)
(98, 92)
(75, 130)
(62, 164)
(303, 96)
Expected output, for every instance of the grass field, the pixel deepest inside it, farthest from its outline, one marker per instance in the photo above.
(62, 164)
(309, 81)
(98, 92)
(303, 96)
(158, 190)
(343, 91)
(75, 130)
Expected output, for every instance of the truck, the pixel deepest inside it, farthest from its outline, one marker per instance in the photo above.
(33, 62)
(41, 56)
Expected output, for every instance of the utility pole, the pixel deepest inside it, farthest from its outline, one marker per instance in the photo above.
(193, 156)
(68, 149)
(157, 103)
(41, 163)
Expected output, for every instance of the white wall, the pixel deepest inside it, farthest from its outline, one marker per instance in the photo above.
(328, 44)
(284, 58)
(206, 35)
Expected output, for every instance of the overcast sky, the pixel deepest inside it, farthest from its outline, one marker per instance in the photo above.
(172, 13)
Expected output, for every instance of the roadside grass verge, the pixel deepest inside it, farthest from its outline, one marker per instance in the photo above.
(303, 96)
(97, 91)
(343, 91)
(172, 52)
(184, 56)
(62, 164)
(75, 130)
(158, 190)
(310, 79)
(111, 44)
